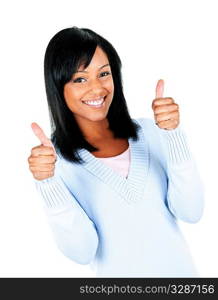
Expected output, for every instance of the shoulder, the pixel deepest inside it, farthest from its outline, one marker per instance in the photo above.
(148, 126)
(144, 121)
(153, 137)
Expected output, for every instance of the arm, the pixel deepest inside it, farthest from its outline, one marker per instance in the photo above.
(73, 231)
(185, 195)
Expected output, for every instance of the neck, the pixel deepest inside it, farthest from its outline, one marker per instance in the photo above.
(95, 130)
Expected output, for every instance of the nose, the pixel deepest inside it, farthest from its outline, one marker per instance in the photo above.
(96, 85)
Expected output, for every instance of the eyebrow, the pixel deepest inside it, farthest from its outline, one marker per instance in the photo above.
(87, 71)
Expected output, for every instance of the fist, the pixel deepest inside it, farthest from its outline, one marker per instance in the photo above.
(43, 157)
(166, 111)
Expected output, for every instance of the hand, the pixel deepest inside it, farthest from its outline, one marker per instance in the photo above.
(43, 157)
(166, 111)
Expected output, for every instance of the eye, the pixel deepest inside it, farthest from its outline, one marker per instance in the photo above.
(76, 80)
(108, 73)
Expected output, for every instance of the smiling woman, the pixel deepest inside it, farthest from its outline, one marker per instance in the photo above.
(113, 187)
(81, 67)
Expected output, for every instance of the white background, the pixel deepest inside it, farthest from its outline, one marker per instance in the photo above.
(172, 40)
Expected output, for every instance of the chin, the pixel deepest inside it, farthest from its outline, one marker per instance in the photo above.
(96, 118)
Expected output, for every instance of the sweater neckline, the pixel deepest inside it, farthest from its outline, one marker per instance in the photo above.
(115, 156)
(132, 187)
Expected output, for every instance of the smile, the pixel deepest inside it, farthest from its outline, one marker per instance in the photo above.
(95, 102)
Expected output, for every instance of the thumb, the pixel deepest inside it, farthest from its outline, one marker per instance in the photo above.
(41, 136)
(160, 89)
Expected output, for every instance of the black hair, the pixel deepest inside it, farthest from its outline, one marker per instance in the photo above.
(66, 51)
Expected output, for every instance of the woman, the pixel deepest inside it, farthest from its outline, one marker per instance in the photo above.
(113, 187)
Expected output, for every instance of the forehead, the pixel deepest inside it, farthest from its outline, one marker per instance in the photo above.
(98, 60)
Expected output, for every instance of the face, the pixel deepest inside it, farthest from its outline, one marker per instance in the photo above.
(90, 91)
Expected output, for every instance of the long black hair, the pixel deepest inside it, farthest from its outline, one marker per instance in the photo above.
(66, 51)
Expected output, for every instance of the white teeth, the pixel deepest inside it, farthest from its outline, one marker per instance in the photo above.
(95, 102)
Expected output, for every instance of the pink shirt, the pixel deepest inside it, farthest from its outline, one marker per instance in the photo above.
(120, 163)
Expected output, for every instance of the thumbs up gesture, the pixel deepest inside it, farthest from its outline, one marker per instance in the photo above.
(166, 111)
(43, 157)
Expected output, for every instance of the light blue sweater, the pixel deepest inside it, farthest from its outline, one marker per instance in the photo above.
(127, 227)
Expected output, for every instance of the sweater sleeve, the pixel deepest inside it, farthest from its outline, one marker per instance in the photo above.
(185, 194)
(74, 232)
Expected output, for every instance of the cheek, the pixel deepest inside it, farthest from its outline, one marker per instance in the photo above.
(71, 95)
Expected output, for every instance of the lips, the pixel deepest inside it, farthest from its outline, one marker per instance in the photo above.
(98, 102)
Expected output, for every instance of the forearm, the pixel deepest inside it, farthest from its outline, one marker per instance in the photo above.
(185, 196)
(73, 231)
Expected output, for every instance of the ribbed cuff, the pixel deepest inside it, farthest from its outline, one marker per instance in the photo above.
(175, 143)
(54, 193)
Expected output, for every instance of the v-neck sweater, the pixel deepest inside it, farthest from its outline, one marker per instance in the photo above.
(119, 163)
(127, 227)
